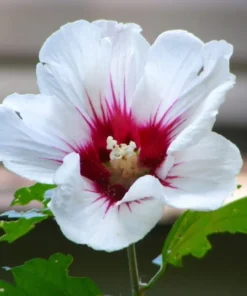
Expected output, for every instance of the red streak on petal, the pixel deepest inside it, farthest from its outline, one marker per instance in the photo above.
(178, 163)
(99, 198)
(73, 147)
(128, 206)
(172, 177)
(53, 160)
(84, 117)
(166, 183)
(104, 202)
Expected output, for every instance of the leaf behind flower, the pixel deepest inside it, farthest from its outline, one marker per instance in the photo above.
(16, 224)
(16, 229)
(25, 195)
(189, 234)
(50, 277)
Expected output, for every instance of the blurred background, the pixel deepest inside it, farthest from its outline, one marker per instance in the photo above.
(24, 26)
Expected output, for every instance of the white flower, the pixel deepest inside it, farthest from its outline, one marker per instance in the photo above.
(122, 127)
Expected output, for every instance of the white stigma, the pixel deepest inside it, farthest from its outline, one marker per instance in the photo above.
(121, 151)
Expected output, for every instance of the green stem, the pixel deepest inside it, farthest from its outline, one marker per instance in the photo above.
(133, 270)
(138, 288)
(154, 279)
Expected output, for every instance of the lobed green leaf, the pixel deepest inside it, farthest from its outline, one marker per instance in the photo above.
(25, 195)
(189, 234)
(16, 229)
(50, 277)
(26, 220)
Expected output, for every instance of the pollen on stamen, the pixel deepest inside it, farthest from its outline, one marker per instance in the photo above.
(123, 158)
(120, 151)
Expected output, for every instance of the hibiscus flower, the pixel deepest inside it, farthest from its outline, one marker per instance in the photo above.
(122, 128)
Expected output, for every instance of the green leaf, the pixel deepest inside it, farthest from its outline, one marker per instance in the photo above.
(37, 192)
(15, 229)
(41, 277)
(7, 289)
(189, 233)
(27, 220)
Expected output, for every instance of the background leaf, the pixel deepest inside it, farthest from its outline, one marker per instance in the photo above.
(7, 289)
(41, 277)
(189, 233)
(26, 220)
(16, 229)
(25, 195)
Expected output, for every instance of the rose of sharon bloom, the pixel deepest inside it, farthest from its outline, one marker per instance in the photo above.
(122, 128)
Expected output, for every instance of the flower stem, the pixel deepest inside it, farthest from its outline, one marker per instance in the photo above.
(133, 270)
(154, 279)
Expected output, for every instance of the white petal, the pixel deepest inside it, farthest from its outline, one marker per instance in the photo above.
(50, 120)
(34, 144)
(21, 154)
(202, 120)
(82, 214)
(111, 28)
(145, 187)
(204, 175)
(173, 59)
(185, 82)
(89, 63)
